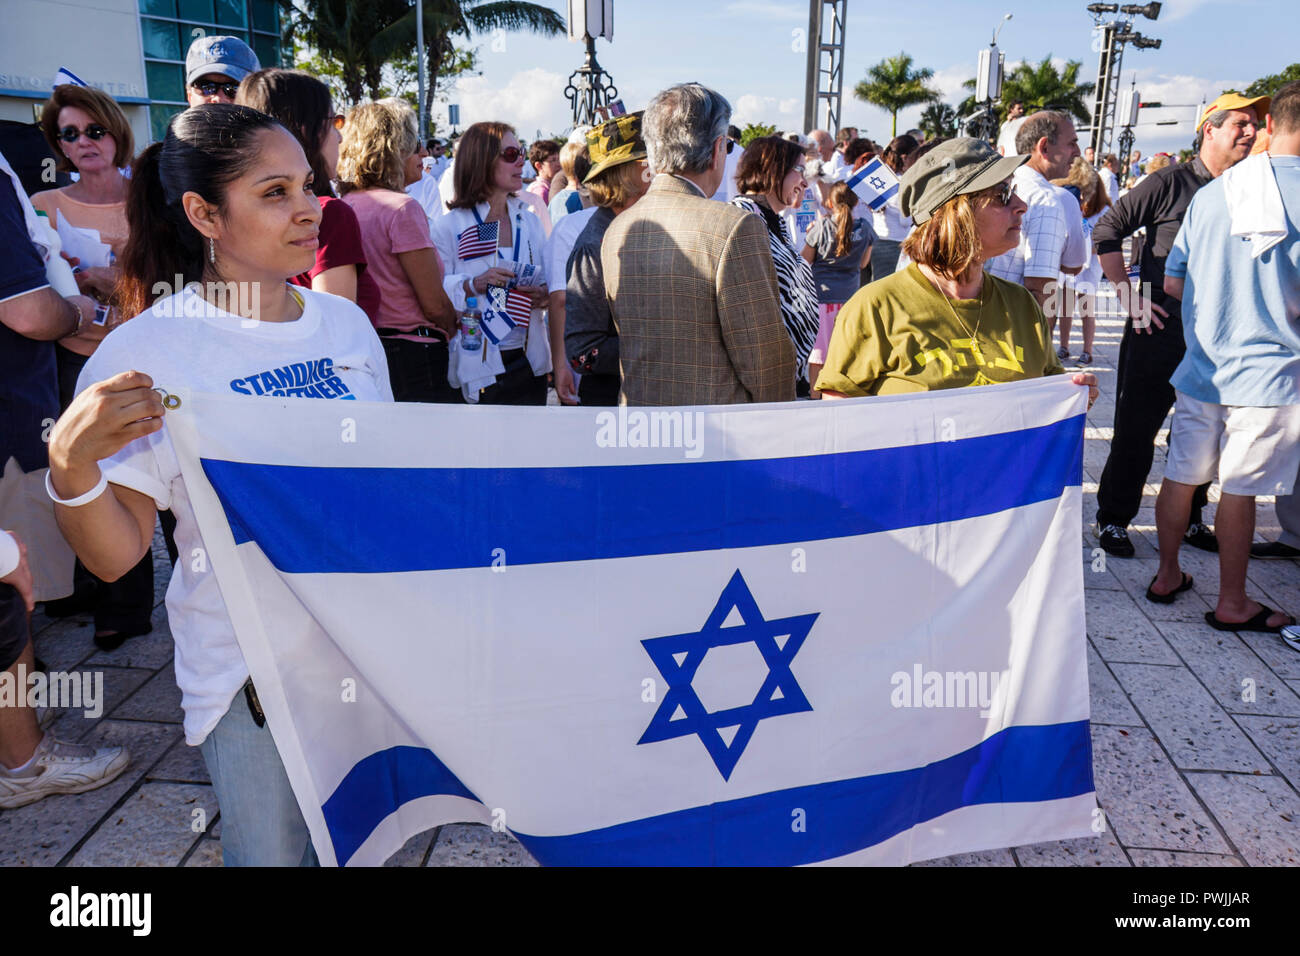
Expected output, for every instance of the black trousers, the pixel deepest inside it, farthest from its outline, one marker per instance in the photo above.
(1143, 399)
(597, 389)
(417, 371)
(517, 385)
(127, 603)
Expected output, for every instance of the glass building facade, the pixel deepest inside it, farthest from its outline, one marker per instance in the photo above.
(168, 27)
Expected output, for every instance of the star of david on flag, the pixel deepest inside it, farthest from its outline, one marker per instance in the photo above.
(478, 240)
(726, 733)
(875, 184)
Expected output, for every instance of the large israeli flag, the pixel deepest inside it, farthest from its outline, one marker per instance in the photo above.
(816, 632)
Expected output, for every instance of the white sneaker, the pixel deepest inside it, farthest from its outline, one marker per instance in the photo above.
(61, 767)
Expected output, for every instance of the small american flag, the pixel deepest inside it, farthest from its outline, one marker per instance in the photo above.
(519, 307)
(478, 240)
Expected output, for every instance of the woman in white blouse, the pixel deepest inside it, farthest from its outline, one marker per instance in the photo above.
(488, 241)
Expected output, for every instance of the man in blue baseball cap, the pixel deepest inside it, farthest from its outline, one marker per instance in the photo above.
(214, 68)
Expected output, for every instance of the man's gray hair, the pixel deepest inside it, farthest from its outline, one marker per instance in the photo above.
(1043, 123)
(680, 126)
(1215, 119)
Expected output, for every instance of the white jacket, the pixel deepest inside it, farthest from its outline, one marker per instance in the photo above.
(446, 232)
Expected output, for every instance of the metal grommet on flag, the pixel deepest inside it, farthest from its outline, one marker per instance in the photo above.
(170, 401)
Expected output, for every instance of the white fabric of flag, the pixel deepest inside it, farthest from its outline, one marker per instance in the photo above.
(814, 632)
(875, 184)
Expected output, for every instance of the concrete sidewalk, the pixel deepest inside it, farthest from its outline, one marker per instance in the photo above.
(1196, 733)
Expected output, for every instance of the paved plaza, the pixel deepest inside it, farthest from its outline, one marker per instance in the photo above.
(1196, 733)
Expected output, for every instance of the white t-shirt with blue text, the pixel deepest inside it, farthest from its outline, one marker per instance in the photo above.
(331, 352)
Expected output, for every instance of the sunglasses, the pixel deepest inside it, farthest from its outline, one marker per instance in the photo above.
(338, 120)
(70, 134)
(511, 154)
(1004, 194)
(731, 144)
(209, 89)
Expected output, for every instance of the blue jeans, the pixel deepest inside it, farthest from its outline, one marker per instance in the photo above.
(261, 824)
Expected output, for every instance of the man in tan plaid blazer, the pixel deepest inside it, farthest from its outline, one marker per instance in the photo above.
(690, 281)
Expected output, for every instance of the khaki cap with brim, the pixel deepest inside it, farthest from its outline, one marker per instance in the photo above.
(615, 143)
(953, 168)
(1235, 101)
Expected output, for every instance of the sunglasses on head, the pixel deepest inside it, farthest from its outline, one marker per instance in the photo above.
(208, 88)
(511, 154)
(70, 134)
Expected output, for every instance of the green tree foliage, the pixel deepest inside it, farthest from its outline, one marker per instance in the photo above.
(1268, 85)
(894, 84)
(1043, 87)
(755, 131)
(938, 119)
(354, 40)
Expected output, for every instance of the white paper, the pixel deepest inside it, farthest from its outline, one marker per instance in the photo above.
(83, 244)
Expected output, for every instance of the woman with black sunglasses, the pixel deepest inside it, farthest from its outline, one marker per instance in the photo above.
(90, 134)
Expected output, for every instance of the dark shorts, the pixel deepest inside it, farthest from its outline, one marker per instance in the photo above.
(13, 626)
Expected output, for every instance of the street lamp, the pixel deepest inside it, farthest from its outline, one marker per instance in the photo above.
(1005, 18)
(590, 88)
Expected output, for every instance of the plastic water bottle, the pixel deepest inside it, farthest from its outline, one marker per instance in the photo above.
(57, 270)
(471, 326)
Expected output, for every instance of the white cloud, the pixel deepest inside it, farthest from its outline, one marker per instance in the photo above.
(785, 114)
(1179, 9)
(531, 100)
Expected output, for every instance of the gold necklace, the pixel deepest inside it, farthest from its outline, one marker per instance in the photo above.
(976, 350)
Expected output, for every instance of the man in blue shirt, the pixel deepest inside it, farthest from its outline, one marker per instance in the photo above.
(1235, 264)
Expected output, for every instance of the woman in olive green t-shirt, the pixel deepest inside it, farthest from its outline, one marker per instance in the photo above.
(943, 322)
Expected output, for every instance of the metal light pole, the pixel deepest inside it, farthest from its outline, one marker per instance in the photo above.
(823, 90)
(590, 88)
(419, 59)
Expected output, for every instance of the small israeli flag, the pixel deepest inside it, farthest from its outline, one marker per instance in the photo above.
(875, 184)
(496, 322)
(65, 76)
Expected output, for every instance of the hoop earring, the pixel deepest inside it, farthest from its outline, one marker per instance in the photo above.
(212, 250)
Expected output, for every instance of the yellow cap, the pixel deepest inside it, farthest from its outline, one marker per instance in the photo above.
(1235, 101)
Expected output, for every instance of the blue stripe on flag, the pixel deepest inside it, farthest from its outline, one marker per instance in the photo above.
(884, 197)
(1021, 764)
(378, 520)
(377, 786)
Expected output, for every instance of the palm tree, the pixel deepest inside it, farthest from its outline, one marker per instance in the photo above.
(447, 19)
(893, 84)
(1043, 87)
(361, 36)
(343, 34)
(938, 119)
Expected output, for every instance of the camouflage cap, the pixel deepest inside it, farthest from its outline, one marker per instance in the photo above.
(615, 143)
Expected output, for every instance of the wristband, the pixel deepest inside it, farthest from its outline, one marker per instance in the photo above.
(100, 487)
(10, 556)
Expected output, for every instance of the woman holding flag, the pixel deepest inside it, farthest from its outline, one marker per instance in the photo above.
(494, 246)
(224, 204)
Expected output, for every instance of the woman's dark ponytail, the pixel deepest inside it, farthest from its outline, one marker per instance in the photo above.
(206, 148)
(161, 245)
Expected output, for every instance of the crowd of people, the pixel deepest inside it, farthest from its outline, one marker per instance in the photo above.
(648, 260)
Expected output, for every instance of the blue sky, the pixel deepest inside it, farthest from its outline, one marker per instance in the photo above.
(746, 50)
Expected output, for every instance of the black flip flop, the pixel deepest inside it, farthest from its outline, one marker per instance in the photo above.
(1257, 623)
(1169, 598)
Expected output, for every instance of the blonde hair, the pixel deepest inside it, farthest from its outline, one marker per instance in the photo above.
(575, 162)
(947, 242)
(1093, 197)
(377, 138)
(617, 186)
(1158, 161)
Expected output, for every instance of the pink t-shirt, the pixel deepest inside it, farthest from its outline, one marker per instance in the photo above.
(392, 223)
